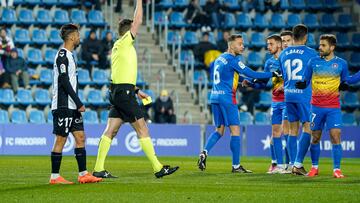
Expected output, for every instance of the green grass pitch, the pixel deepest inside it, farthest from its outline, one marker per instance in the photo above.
(24, 179)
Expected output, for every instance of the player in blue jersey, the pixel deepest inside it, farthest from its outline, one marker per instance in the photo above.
(293, 61)
(274, 46)
(326, 73)
(226, 75)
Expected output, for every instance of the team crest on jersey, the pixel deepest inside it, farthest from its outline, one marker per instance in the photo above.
(241, 65)
(335, 65)
(61, 54)
(62, 68)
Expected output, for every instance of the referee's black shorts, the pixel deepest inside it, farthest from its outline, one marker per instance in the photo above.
(124, 104)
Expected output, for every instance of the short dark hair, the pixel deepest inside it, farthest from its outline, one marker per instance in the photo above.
(67, 29)
(329, 38)
(233, 37)
(299, 32)
(286, 33)
(275, 37)
(124, 26)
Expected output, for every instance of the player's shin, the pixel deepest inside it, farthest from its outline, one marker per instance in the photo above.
(278, 151)
(148, 148)
(80, 155)
(315, 154)
(235, 149)
(292, 148)
(211, 141)
(103, 150)
(273, 154)
(287, 158)
(336, 155)
(304, 143)
(55, 164)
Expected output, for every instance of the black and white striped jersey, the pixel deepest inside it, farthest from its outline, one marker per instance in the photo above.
(65, 82)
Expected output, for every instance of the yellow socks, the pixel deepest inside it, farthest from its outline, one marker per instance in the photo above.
(104, 147)
(148, 148)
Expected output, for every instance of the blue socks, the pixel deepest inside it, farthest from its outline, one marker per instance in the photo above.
(336, 155)
(235, 149)
(292, 148)
(212, 140)
(315, 154)
(273, 154)
(278, 149)
(304, 143)
(287, 158)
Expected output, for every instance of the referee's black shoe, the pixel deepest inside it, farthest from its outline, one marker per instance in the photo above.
(104, 174)
(166, 170)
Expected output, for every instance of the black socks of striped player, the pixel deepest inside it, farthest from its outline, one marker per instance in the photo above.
(55, 162)
(80, 155)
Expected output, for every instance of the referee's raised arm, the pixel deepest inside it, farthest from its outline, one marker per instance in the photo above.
(138, 16)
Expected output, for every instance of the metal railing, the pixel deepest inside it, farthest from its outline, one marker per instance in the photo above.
(146, 62)
(174, 94)
(160, 80)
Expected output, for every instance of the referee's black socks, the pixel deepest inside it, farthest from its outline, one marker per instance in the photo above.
(80, 155)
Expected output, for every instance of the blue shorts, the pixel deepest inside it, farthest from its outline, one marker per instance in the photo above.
(225, 114)
(298, 112)
(278, 112)
(329, 116)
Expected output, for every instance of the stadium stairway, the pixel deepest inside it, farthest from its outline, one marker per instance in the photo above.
(160, 62)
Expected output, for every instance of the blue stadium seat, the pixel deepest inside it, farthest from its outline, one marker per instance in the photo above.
(293, 19)
(7, 97)
(311, 42)
(355, 60)
(314, 5)
(199, 77)
(257, 40)
(185, 55)
(34, 57)
(24, 97)
(265, 100)
(284, 4)
(100, 77)
(355, 40)
(181, 4)
(43, 17)
(343, 40)
(177, 20)
(245, 39)
(46, 77)
(229, 21)
(277, 21)
(82, 96)
(255, 60)
(104, 32)
(202, 2)
(33, 2)
(54, 37)
(212, 38)
(233, 5)
(50, 55)
(159, 18)
(345, 21)
(50, 2)
(262, 118)
(94, 98)
(37, 117)
(243, 21)
(350, 100)
(260, 21)
(20, 53)
(96, 18)
(140, 80)
(104, 114)
(166, 4)
(26, 17)
(297, 5)
(311, 21)
(61, 17)
(4, 117)
(190, 39)
(348, 119)
(172, 37)
(18, 117)
(8, 16)
(22, 37)
(78, 17)
(50, 117)
(42, 97)
(68, 3)
(331, 4)
(39, 36)
(90, 117)
(84, 77)
(19, 2)
(328, 21)
(246, 118)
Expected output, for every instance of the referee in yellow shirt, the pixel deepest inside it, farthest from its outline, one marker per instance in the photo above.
(124, 107)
